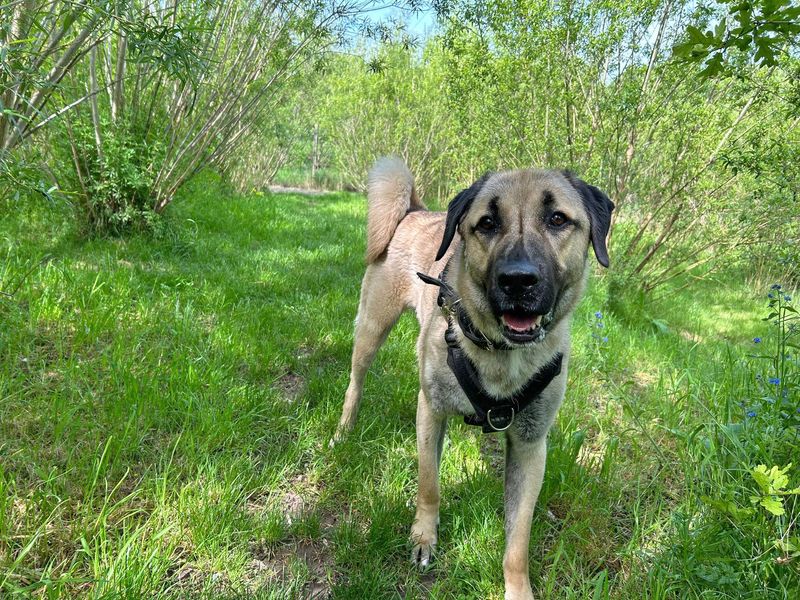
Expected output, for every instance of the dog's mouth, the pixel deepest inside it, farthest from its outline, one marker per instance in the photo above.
(521, 326)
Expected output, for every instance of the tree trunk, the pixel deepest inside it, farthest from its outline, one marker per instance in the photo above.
(94, 90)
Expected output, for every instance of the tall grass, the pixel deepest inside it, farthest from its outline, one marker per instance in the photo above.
(166, 402)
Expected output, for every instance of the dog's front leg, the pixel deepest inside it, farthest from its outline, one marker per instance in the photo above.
(524, 473)
(430, 439)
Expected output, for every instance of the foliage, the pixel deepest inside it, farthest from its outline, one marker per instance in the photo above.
(751, 501)
(40, 43)
(200, 97)
(391, 105)
(620, 114)
(43, 42)
(768, 168)
(762, 30)
(115, 185)
(701, 171)
(197, 79)
(772, 487)
(282, 136)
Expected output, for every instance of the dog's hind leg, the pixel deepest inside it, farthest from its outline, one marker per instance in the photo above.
(378, 311)
(431, 428)
(524, 473)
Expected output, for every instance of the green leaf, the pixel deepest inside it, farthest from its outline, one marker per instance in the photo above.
(719, 32)
(761, 477)
(696, 36)
(689, 49)
(727, 507)
(773, 505)
(779, 478)
(765, 53)
(713, 67)
(771, 6)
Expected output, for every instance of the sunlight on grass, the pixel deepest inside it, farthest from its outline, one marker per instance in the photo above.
(166, 403)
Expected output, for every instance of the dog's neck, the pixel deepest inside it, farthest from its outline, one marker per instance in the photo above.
(453, 308)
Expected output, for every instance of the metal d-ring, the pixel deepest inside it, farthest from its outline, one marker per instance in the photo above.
(492, 425)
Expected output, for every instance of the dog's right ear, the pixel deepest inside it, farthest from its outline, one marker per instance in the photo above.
(456, 210)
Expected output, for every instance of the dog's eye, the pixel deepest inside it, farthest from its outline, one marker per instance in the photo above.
(487, 224)
(558, 219)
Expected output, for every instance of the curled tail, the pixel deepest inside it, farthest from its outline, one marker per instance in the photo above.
(390, 195)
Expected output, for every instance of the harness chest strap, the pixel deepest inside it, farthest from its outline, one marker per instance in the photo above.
(492, 414)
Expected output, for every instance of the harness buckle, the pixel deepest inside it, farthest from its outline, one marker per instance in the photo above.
(501, 418)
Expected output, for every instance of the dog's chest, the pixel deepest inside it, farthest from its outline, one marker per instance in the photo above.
(445, 394)
(502, 376)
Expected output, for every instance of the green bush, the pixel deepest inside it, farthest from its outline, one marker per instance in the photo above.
(115, 188)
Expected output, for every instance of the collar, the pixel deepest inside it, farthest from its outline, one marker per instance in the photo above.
(491, 413)
(452, 308)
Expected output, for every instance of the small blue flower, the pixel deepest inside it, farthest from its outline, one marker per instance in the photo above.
(605, 340)
(598, 314)
(774, 381)
(770, 295)
(600, 325)
(751, 413)
(788, 298)
(756, 340)
(775, 286)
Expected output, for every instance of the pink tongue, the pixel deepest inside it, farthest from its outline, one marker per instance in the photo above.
(519, 323)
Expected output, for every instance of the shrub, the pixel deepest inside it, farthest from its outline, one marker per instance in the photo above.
(115, 187)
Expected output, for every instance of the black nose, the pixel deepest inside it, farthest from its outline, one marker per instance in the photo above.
(518, 278)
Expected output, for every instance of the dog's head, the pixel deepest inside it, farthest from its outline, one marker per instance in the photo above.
(525, 238)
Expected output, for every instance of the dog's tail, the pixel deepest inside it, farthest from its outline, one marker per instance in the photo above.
(391, 194)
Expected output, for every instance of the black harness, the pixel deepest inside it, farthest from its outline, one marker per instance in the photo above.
(491, 414)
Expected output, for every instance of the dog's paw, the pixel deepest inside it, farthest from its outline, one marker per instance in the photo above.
(338, 437)
(423, 536)
(422, 554)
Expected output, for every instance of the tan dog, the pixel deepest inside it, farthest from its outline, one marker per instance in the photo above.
(510, 282)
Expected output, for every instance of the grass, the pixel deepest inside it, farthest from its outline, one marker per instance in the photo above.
(166, 403)
(324, 178)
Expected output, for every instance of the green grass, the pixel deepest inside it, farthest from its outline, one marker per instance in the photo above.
(166, 403)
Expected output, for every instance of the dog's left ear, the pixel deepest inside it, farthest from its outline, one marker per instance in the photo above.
(599, 207)
(456, 210)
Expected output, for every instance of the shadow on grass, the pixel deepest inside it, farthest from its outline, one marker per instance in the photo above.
(203, 371)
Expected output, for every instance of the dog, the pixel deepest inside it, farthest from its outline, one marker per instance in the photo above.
(494, 282)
